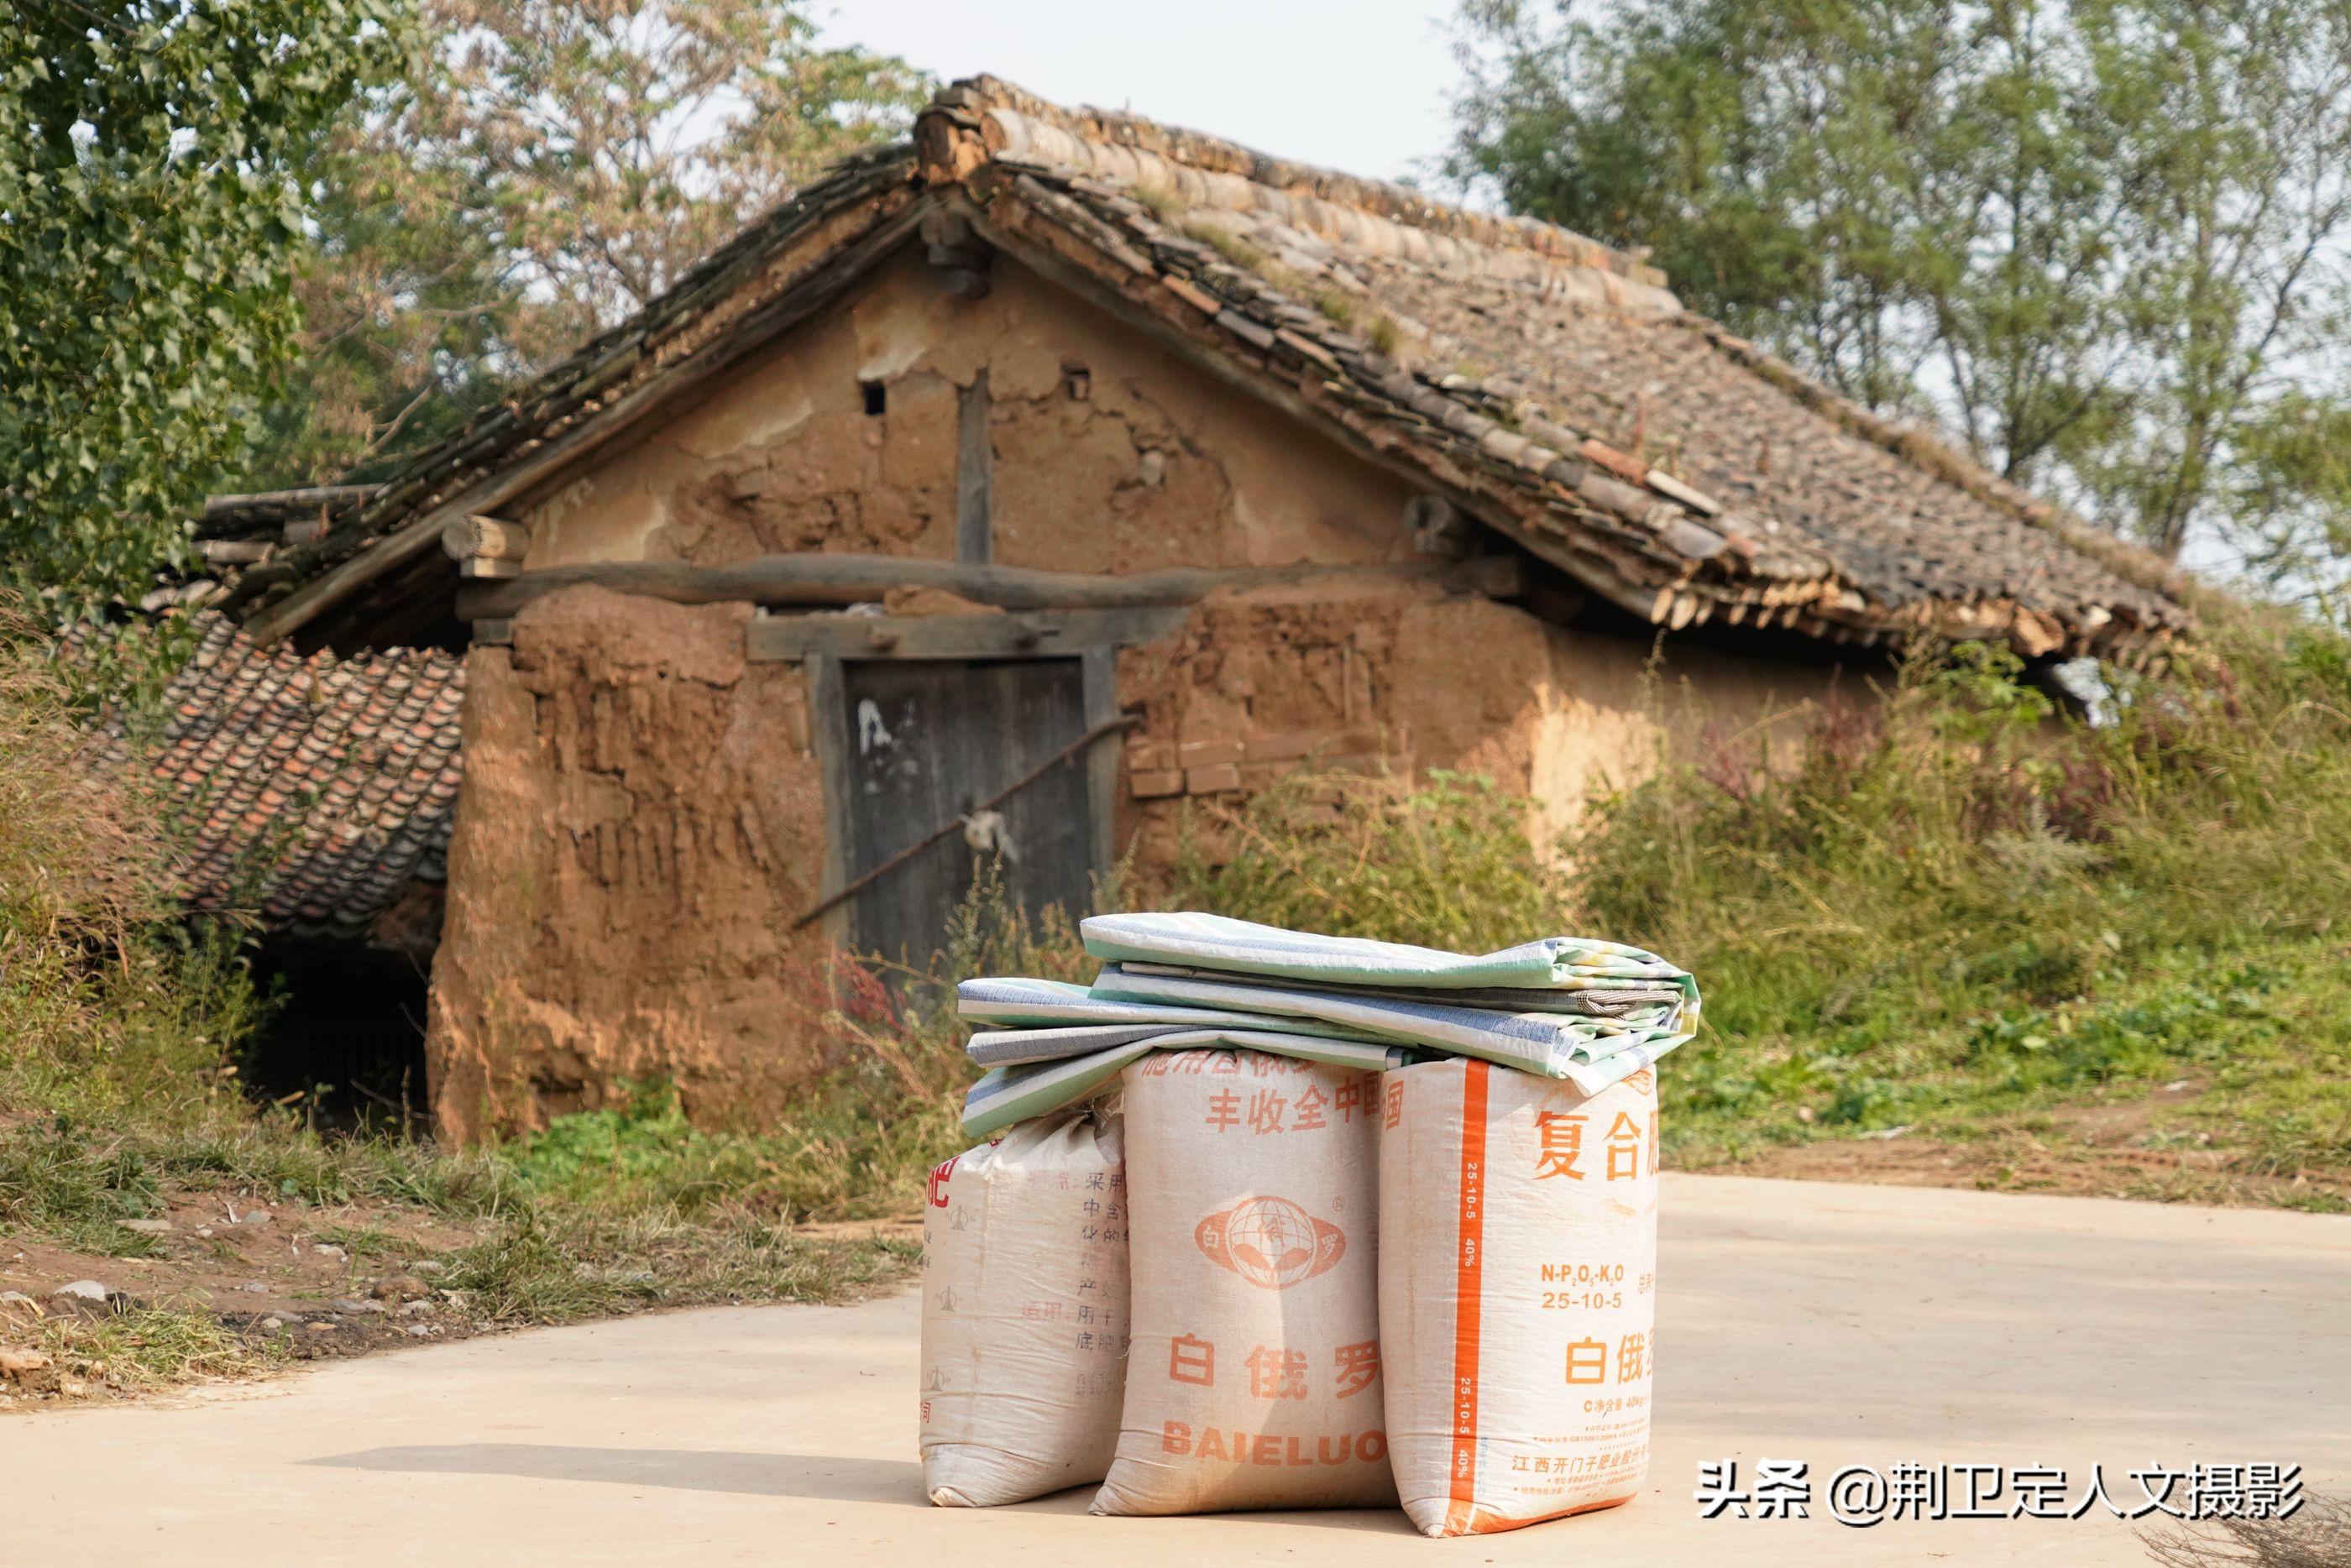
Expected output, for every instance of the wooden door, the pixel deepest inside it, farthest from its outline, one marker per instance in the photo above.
(927, 740)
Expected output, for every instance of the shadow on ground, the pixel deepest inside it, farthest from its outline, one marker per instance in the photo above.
(828, 1476)
(824, 1477)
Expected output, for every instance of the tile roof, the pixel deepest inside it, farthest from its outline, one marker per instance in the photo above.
(1681, 471)
(316, 789)
(1551, 387)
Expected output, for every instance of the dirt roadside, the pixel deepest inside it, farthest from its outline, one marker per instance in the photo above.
(258, 1286)
(2113, 1150)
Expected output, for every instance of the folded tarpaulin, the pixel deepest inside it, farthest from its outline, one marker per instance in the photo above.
(1008, 1047)
(1016, 1001)
(1616, 1000)
(1009, 1095)
(1214, 942)
(1589, 1052)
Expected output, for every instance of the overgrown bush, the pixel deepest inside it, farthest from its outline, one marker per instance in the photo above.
(1956, 880)
(1447, 864)
(107, 997)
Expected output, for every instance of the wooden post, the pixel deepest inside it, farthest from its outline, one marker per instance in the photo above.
(975, 464)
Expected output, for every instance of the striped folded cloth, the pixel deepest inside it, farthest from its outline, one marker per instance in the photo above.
(1244, 947)
(1014, 1093)
(1590, 1052)
(1590, 1013)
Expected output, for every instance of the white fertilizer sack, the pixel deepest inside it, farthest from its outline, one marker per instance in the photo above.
(1024, 1311)
(1254, 1377)
(1518, 1292)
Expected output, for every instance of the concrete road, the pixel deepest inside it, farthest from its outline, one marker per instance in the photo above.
(1806, 1321)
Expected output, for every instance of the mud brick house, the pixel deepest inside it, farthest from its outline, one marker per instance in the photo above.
(1060, 438)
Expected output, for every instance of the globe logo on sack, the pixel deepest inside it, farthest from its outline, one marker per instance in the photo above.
(1271, 1241)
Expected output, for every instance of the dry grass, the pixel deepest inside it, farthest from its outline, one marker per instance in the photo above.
(2317, 1535)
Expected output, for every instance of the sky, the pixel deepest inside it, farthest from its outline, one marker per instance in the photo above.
(1355, 84)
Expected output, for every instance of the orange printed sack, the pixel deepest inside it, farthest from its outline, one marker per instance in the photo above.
(1518, 1292)
(1254, 1376)
(1024, 1311)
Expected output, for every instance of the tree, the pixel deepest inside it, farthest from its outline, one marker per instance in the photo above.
(548, 169)
(2102, 241)
(147, 222)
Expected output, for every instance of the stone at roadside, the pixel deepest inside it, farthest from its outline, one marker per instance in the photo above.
(347, 1305)
(72, 1389)
(253, 1217)
(204, 1233)
(328, 1250)
(149, 1226)
(273, 1323)
(427, 1266)
(82, 1291)
(401, 1288)
(320, 1325)
(418, 1331)
(15, 1298)
(414, 1309)
(256, 1286)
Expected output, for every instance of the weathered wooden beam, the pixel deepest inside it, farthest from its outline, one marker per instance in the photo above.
(485, 538)
(1036, 635)
(320, 495)
(838, 580)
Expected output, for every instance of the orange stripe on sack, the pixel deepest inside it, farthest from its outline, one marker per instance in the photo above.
(1468, 1279)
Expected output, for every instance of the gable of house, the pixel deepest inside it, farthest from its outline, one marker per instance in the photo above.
(906, 418)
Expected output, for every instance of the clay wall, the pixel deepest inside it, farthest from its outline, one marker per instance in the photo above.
(640, 822)
(1406, 676)
(1108, 452)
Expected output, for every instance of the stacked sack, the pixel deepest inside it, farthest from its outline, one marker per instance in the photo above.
(1372, 1223)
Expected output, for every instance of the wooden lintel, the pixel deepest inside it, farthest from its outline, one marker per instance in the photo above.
(1041, 635)
(817, 581)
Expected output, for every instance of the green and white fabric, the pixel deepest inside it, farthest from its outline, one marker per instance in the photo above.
(1017, 1004)
(1009, 1095)
(1621, 1000)
(1589, 1012)
(1589, 1052)
(1215, 941)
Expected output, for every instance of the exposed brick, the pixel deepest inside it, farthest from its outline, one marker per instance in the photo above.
(1214, 779)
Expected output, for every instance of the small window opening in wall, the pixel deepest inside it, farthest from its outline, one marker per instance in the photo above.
(877, 396)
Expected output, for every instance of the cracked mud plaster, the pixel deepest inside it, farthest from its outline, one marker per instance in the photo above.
(1108, 452)
(640, 822)
(1462, 684)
